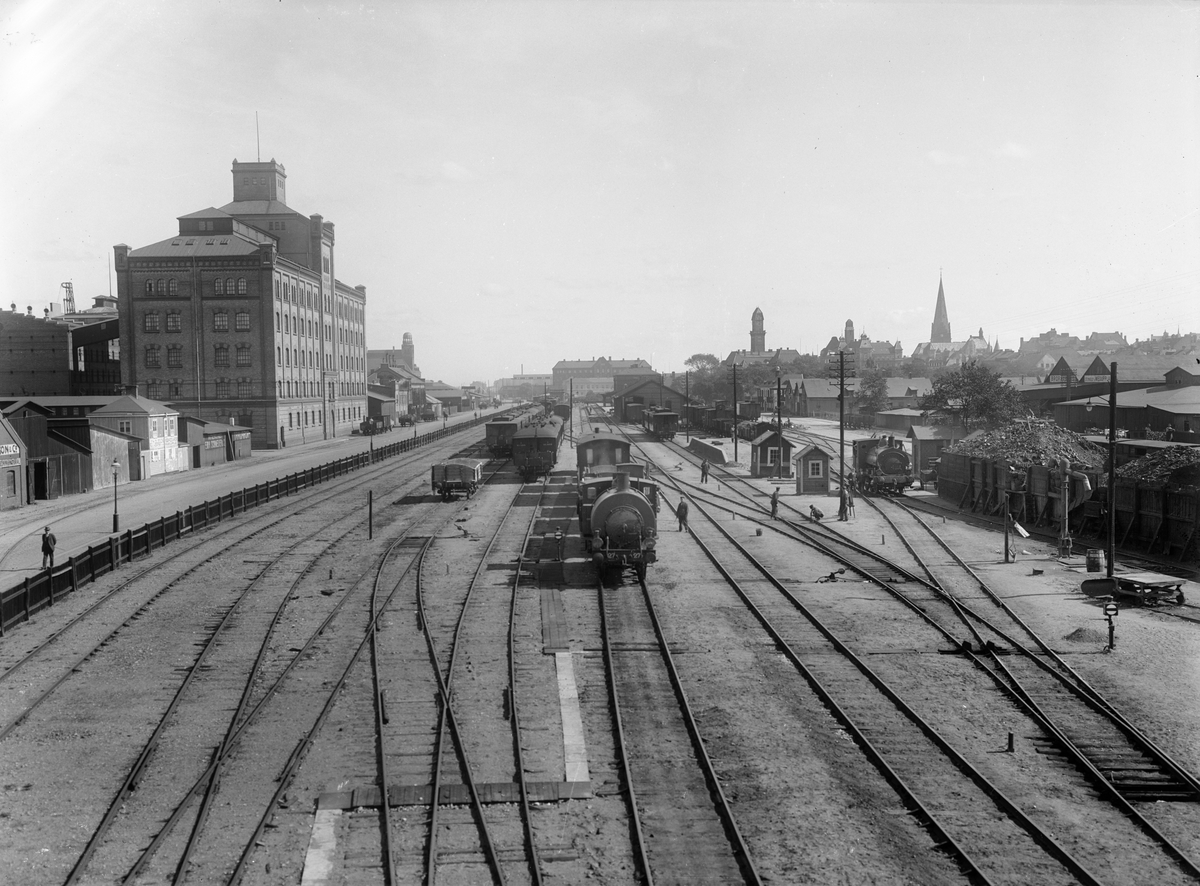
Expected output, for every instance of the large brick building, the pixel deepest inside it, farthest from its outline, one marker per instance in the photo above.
(240, 317)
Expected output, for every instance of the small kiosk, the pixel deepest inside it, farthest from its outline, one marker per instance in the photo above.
(812, 470)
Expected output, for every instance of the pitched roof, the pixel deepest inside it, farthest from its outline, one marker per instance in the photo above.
(136, 406)
(199, 245)
(259, 207)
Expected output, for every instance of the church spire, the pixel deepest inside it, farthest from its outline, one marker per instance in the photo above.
(941, 320)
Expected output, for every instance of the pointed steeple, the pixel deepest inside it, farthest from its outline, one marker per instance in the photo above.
(941, 320)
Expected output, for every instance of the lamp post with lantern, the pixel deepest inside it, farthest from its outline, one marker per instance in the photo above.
(116, 467)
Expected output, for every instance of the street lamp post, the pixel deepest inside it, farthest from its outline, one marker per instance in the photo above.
(116, 467)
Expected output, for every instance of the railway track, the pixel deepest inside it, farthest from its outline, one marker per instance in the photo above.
(1140, 774)
(683, 825)
(244, 616)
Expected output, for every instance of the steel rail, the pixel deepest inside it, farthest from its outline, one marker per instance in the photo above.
(1037, 712)
(723, 807)
(447, 720)
(535, 868)
(151, 743)
(207, 784)
(640, 854)
(1076, 682)
(1002, 801)
(302, 747)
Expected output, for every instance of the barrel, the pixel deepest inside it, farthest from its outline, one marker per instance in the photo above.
(1094, 561)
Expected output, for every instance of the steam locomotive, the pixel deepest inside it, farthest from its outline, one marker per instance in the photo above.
(882, 466)
(618, 505)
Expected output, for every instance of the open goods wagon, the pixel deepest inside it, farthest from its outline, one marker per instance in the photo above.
(1156, 518)
(458, 475)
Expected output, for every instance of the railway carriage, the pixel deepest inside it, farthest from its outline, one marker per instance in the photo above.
(500, 436)
(661, 423)
(535, 447)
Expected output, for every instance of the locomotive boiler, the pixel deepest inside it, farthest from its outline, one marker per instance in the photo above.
(881, 465)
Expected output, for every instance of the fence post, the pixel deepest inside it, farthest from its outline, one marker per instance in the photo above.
(74, 577)
(27, 598)
(112, 552)
(129, 540)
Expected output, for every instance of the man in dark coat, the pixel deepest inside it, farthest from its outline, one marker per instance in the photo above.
(681, 512)
(48, 544)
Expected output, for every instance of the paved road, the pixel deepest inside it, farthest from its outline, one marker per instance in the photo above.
(81, 520)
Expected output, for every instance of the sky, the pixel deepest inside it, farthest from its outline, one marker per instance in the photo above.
(521, 183)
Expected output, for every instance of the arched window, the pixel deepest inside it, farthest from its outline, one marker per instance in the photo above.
(149, 287)
(278, 356)
(218, 286)
(160, 286)
(172, 287)
(221, 355)
(241, 284)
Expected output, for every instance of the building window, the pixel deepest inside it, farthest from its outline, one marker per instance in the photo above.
(176, 390)
(150, 321)
(174, 321)
(245, 389)
(172, 287)
(287, 327)
(153, 355)
(218, 286)
(243, 355)
(160, 286)
(278, 356)
(175, 356)
(125, 426)
(220, 321)
(154, 390)
(221, 356)
(815, 470)
(242, 321)
(149, 287)
(277, 289)
(241, 284)
(222, 389)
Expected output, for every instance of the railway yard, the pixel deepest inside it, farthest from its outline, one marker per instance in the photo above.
(447, 691)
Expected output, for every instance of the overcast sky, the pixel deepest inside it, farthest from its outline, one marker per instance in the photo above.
(518, 183)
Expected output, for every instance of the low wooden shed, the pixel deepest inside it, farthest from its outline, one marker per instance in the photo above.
(812, 470)
(770, 455)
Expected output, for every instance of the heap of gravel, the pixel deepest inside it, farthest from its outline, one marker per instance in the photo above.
(1175, 466)
(1032, 442)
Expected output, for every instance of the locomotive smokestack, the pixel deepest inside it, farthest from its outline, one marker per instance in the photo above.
(621, 482)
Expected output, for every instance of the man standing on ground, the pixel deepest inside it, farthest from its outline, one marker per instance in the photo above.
(775, 503)
(681, 512)
(704, 471)
(48, 544)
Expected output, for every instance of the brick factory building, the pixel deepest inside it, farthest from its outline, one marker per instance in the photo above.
(240, 318)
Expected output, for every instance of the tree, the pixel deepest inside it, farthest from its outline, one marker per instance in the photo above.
(976, 396)
(705, 376)
(872, 393)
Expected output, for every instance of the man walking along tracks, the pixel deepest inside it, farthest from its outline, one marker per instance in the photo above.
(682, 513)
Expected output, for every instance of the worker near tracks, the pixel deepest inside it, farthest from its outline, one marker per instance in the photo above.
(681, 512)
(48, 544)
(704, 471)
(849, 501)
(775, 504)
(842, 509)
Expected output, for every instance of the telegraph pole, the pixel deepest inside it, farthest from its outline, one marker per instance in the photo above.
(1111, 552)
(687, 405)
(779, 416)
(842, 369)
(735, 415)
